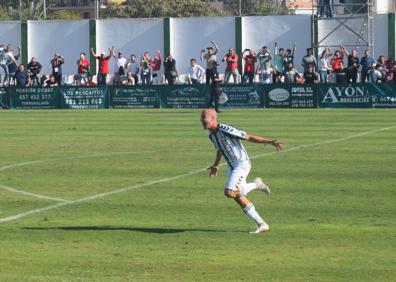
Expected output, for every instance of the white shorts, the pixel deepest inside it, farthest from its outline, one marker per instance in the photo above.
(237, 176)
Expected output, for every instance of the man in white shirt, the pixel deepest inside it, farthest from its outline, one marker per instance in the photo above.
(120, 66)
(227, 141)
(195, 73)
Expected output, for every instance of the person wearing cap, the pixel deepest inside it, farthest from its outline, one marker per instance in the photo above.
(232, 66)
(34, 70)
(56, 64)
(211, 61)
(120, 66)
(103, 65)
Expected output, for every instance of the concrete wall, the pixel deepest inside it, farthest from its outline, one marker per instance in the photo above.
(69, 38)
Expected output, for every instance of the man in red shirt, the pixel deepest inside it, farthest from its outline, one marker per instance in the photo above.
(155, 65)
(250, 61)
(103, 65)
(232, 65)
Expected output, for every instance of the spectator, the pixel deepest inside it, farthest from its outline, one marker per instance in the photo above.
(321, 8)
(51, 82)
(12, 63)
(324, 68)
(289, 56)
(34, 70)
(341, 76)
(156, 67)
(211, 61)
(83, 66)
(170, 70)
(195, 73)
(103, 65)
(250, 61)
(266, 74)
(3, 64)
(232, 66)
(309, 59)
(329, 5)
(367, 62)
(145, 73)
(384, 67)
(22, 78)
(120, 66)
(278, 63)
(89, 82)
(56, 64)
(374, 75)
(263, 57)
(133, 68)
(310, 76)
(128, 80)
(393, 72)
(215, 90)
(290, 74)
(353, 65)
(337, 64)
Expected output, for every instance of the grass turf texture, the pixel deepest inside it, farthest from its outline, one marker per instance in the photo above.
(331, 210)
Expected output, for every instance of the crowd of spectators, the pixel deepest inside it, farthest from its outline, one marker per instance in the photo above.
(263, 66)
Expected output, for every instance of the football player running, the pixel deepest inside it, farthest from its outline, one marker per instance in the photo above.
(227, 141)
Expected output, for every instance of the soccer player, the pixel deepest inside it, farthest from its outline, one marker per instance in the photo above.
(227, 141)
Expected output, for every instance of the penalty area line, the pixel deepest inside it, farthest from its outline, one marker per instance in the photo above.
(167, 179)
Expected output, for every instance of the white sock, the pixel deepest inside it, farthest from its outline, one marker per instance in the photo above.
(248, 187)
(251, 213)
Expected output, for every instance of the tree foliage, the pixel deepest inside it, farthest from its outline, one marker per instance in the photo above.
(64, 15)
(258, 7)
(157, 9)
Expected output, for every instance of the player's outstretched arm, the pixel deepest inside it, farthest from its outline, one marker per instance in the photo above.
(278, 145)
(214, 169)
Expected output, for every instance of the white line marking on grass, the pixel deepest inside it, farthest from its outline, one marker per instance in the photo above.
(167, 179)
(10, 189)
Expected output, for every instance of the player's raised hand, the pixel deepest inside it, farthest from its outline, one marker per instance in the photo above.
(214, 170)
(278, 145)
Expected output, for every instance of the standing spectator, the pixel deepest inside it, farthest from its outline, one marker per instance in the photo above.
(278, 63)
(353, 65)
(263, 57)
(215, 90)
(321, 8)
(324, 68)
(250, 61)
(232, 66)
(290, 74)
(133, 68)
(120, 66)
(3, 64)
(329, 6)
(367, 62)
(309, 59)
(289, 56)
(211, 61)
(337, 64)
(21, 77)
(384, 67)
(156, 67)
(195, 73)
(34, 70)
(310, 76)
(145, 70)
(170, 70)
(103, 65)
(267, 74)
(83, 66)
(12, 63)
(56, 64)
(374, 75)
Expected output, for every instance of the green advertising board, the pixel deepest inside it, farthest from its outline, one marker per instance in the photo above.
(383, 95)
(345, 95)
(190, 96)
(4, 99)
(290, 96)
(240, 96)
(74, 97)
(33, 97)
(134, 97)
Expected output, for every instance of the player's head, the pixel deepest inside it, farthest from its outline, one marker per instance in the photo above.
(209, 119)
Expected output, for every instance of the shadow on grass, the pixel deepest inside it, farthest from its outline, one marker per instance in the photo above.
(115, 228)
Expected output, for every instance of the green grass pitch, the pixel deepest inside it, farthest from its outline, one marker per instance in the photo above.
(331, 212)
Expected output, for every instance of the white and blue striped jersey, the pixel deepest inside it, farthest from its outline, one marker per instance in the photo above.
(227, 140)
